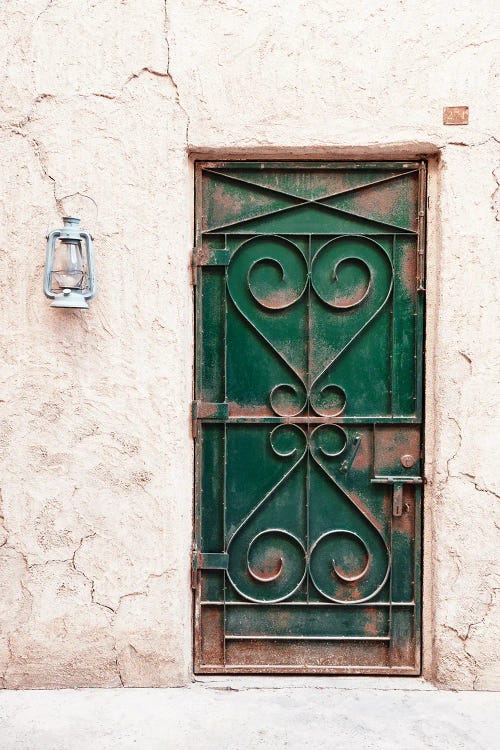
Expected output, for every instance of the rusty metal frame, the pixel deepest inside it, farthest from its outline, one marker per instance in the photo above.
(214, 411)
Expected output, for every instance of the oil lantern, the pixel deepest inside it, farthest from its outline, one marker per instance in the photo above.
(69, 266)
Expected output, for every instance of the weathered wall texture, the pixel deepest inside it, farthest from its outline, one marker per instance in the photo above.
(103, 101)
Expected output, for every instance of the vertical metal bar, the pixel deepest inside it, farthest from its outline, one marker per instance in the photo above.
(419, 491)
(197, 288)
(309, 261)
(394, 363)
(224, 479)
(224, 499)
(419, 355)
(198, 387)
(224, 374)
(419, 364)
(419, 332)
(422, 174)
(197, 627)
(197, 384)
(417, 573)
(308, 465)
(388, 489)
(224, 572)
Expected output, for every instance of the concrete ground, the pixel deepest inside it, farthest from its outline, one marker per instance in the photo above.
(237, 715)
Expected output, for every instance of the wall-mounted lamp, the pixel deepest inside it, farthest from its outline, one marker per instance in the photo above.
(69, 266)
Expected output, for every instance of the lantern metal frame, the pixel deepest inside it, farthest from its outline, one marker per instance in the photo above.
(70, 298)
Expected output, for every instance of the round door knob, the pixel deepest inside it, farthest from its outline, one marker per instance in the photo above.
(407, 460)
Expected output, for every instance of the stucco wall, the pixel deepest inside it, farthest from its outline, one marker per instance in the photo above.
(104, 103)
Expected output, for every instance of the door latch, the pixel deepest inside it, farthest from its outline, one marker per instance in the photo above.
(397, 490)
(347, 463)
(397, 499)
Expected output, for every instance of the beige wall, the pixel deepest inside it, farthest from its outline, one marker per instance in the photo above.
(104, 104)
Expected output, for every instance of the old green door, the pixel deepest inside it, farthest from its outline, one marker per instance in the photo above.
(308, 416)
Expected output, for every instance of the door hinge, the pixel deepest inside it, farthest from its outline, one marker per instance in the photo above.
(207, 410)
(202, 256)
(194, 265)
(207, 561)
(194, 569)
(194, 420)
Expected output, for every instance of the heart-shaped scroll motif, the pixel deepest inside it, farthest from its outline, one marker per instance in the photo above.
(267, 280)
(268, 563)
(309, 309)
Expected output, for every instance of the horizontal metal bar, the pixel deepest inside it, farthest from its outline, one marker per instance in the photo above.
(315, 420)
(359, 669)
(233, 637)
(397, 480)
(333, 605)
(312, 165)
(217, 233)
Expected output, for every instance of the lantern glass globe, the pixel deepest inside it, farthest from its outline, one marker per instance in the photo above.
(68, 265)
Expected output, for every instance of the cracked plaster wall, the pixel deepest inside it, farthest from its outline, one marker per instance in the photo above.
(102, 102)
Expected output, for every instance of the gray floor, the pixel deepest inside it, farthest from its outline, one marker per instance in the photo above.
(237, 715)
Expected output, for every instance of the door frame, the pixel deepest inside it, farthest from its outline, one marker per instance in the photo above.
(432, 156)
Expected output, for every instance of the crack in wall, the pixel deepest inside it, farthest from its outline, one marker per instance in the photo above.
(47, 7)
(166, 31)
(472, 479)
(149, 70)
(459, 446)
(117, 664)
(113, 611)
(28, 602)
(469, 477)
(20, 126)
(495, 202)
(90, 580)
(43, 162)
(25, 612)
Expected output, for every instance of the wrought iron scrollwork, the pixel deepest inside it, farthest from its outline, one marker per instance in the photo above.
(267, 277)
(271, 274)
(342, 563)
(269, 564)
(365, 297)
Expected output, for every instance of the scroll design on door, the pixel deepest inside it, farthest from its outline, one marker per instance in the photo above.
(269, 275)
(268, 565)
(268, 278)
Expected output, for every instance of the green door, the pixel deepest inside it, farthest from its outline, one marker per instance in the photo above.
(308, 416)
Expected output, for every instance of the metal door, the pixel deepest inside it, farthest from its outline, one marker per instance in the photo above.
(308, 416)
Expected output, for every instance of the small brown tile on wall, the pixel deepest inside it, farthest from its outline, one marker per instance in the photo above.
(455, 115)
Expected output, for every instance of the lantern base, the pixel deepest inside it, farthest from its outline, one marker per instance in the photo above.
(70, 299)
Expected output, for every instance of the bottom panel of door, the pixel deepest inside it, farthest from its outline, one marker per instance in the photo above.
(301, 638)
(252, 639)
(308, 561)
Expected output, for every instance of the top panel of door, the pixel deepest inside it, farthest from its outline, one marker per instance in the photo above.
(311, 272)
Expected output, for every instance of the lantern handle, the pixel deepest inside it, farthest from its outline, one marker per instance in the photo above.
(91, 280)
(49, 261)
